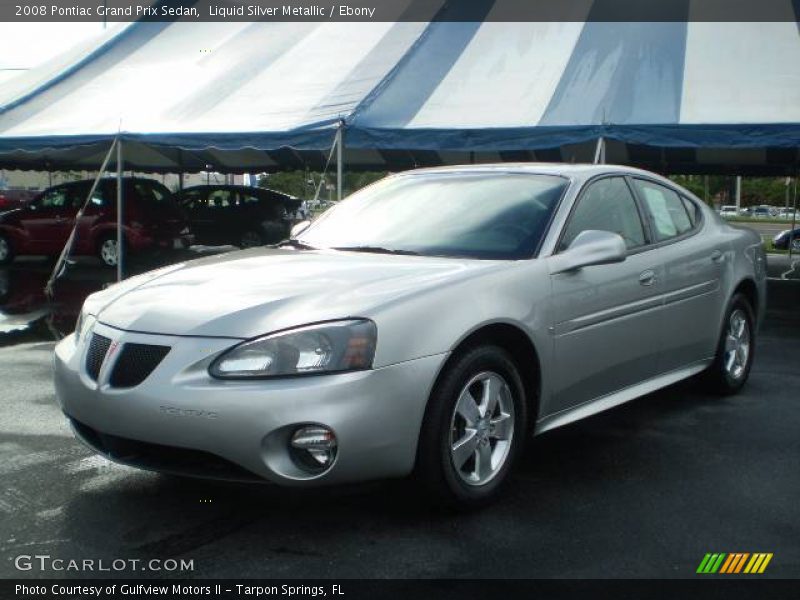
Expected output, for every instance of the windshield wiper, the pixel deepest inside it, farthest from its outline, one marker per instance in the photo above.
(295, 244)
(377, 250)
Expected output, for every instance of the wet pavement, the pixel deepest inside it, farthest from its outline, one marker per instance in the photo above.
(644, 490)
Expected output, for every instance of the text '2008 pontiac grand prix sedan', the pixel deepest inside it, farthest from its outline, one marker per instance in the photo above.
(427, 324)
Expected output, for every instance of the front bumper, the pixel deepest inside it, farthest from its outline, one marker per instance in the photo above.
(376, 414)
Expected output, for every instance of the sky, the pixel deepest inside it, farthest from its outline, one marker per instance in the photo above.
(25, 45)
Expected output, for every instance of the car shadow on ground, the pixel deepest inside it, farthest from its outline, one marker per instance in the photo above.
(176, 516)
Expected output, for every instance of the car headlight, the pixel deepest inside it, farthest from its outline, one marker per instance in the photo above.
(84, 325)
(322, 348)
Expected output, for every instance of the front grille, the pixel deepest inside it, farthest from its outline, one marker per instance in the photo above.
(135, 363)
(98, 348)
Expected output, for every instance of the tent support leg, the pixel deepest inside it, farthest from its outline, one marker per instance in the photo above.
(794, 226)
(120, 236)
(600, 152)
(738, 193)
(339, 159)
(67, 249)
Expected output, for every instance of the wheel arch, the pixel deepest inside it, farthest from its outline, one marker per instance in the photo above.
(513, 339)
(748, 288)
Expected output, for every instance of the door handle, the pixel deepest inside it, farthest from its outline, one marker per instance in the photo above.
(647, 277)
(717, 256)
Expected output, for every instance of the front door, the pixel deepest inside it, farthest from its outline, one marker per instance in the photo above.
(606, 317)
(49, 219)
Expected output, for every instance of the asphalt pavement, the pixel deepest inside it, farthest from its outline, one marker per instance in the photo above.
(644, 490)
(766, 227)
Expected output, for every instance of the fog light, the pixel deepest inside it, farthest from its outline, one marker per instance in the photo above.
(313, 448)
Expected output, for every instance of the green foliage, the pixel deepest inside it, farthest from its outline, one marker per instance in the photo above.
(303, 184)
(721, 189)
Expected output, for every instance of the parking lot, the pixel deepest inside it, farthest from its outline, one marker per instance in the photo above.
(644, 490)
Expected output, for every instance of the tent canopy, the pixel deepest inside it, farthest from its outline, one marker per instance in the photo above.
(685, 97)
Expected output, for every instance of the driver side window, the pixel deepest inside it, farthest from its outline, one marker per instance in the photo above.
(606, 205)
(56, 198)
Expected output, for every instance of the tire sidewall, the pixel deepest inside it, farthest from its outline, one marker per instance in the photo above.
(99, 252)
(435, 456)
(729, 384)
(10, 256)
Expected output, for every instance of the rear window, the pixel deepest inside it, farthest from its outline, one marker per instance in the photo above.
(665, 208)
(150, 191)
(692, 210)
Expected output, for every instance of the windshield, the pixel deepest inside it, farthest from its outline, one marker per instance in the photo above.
(478, 215)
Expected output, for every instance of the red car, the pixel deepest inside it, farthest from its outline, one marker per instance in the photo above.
(151, 220)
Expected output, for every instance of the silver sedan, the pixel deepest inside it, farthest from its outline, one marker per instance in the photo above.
(428, 324)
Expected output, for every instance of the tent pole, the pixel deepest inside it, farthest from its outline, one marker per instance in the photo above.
(120, 236)
(794, 226)
(339, 165)
(738, 193)
(65, 251)
(600, 151)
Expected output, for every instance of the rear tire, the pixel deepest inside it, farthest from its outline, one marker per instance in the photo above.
(735, 349)
(107, 250)
(6, 250)
(474, 428)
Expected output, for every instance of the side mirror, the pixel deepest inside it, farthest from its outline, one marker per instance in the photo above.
(591, 247)
(299, 228)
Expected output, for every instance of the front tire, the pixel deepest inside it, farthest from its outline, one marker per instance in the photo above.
(6, 250)
(474, 428)
(735, 349)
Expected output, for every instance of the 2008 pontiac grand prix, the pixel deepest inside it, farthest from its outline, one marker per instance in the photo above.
(429, 323)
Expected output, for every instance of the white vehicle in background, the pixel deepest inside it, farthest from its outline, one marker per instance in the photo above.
(728, 211)
(787, 213)
(764, 211)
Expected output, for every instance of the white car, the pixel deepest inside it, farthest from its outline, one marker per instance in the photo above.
(729, 210)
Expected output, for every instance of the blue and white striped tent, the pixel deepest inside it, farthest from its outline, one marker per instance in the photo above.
(678, 96)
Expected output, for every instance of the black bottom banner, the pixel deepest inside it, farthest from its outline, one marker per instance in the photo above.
(371, 589)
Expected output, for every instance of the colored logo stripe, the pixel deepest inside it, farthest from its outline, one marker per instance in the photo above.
(734, 562)
(710, 563)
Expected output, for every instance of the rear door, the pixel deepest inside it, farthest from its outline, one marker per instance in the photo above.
(607, 318)
(268, 210)
(693, 264)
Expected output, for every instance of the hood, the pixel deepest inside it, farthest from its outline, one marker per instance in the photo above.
(249, 293)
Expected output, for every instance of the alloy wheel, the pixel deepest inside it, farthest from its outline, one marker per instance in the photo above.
(108, 252)
(482, 428)
(737, 344)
